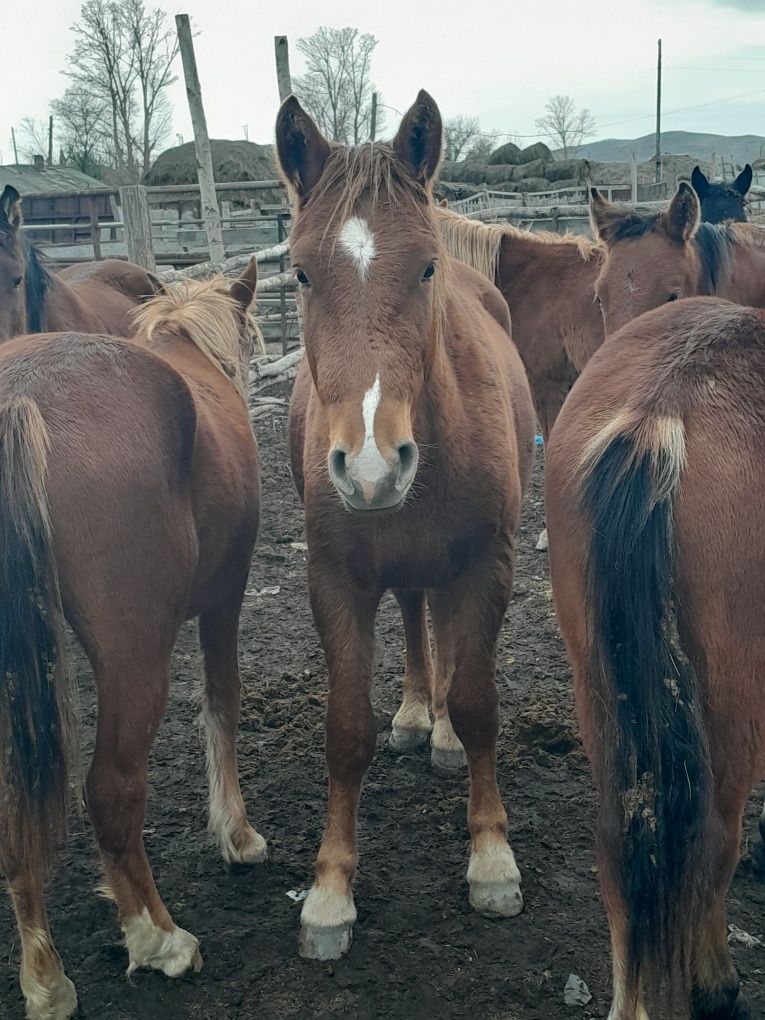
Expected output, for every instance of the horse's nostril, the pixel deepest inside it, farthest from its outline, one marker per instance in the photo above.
(337, 463)
(407, 455)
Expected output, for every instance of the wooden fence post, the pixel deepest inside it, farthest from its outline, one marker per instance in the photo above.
(95, 232)
(634, 179)
(209, 200)
(283, 77)
(137, 220)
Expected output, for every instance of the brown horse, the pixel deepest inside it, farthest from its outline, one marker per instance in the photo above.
(411, 434)
(655, 478)
(95, 298)
(655, 258)
(129, 496)
(548, 281)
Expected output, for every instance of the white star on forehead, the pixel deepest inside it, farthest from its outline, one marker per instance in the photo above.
(359, 242)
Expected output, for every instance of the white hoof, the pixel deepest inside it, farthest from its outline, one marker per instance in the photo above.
(326, 924)
(172, 952)
(245, 847)
(448, 759)
(495, 881)
(56, 1003)
(496, 899)
(542, 543)
(403, 739)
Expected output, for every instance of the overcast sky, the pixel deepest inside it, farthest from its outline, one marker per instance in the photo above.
(496, 59)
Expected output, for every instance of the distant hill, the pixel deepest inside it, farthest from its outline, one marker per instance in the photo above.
(743, 148)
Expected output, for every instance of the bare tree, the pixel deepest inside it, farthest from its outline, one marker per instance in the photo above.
(337, 86)
(154, 47)
(482, 147)
(564, 125)
(123, 55)
(82, 129)
(460, 135)
(34, 138)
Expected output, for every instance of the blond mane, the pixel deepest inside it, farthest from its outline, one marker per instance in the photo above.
(751, 234)
(205, 312)
(479, 244)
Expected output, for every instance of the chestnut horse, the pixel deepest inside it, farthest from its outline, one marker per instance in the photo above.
(655, 258)
(723, 201)
(655, 479)
(98, 297)
(411, 433)
(129, 500)
(548, 281)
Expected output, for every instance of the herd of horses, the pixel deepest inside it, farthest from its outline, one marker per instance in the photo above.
(129, 498)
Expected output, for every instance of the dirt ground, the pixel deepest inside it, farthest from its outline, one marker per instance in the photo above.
(419, 952)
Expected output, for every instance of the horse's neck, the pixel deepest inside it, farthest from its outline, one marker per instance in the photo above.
(745, 282)
(555, 282)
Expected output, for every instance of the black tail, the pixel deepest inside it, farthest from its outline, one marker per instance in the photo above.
(34, 700)
(655, 774)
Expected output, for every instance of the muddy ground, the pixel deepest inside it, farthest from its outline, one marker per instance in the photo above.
(418, 951)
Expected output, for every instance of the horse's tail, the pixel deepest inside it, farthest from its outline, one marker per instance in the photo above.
(655, 775)
(34, 699)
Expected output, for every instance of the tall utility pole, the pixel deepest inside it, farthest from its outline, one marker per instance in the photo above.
(15, 150)
(50, 140)
(658, 117)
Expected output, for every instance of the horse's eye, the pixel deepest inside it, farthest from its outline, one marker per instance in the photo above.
(673, 296)
(17, 283)
(302, 279)
(429, 271)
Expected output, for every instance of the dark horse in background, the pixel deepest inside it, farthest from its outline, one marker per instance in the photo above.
(723, 201)
(95, 298)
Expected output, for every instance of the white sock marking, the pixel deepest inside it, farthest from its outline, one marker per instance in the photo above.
(359, 242)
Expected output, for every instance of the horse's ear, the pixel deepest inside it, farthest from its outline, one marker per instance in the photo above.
(604, 216)
(418, 139)
(743, 182)
(301, 147)
(681, 220)
(10, 207)
(243, 289)
(699, 182)
(443, 203)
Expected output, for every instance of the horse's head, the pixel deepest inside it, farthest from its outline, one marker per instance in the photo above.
(371, 271)
(725, 201)
(650, 258)
(12, 265)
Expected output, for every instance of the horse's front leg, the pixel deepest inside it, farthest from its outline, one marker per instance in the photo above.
(344, 617)
(467, 619)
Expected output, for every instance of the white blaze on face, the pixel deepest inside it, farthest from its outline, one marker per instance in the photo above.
(359, 242)
(370, 465)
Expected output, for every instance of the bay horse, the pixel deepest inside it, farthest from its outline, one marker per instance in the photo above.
(411, 443)
(98, 297)
(724, 200)
(655, 258)
(654, 483)
(129, 502)
(548, 281)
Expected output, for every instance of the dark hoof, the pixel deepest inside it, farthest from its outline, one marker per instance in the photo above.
(723, 1004)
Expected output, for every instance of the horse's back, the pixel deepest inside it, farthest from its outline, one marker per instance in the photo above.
(100, 295)
(122, 427)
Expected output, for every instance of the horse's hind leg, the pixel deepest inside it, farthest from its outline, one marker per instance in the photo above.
(132, 693)
(411, 724)
(467, 620)
(218, 635)
(48, 992)
(446, 750)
